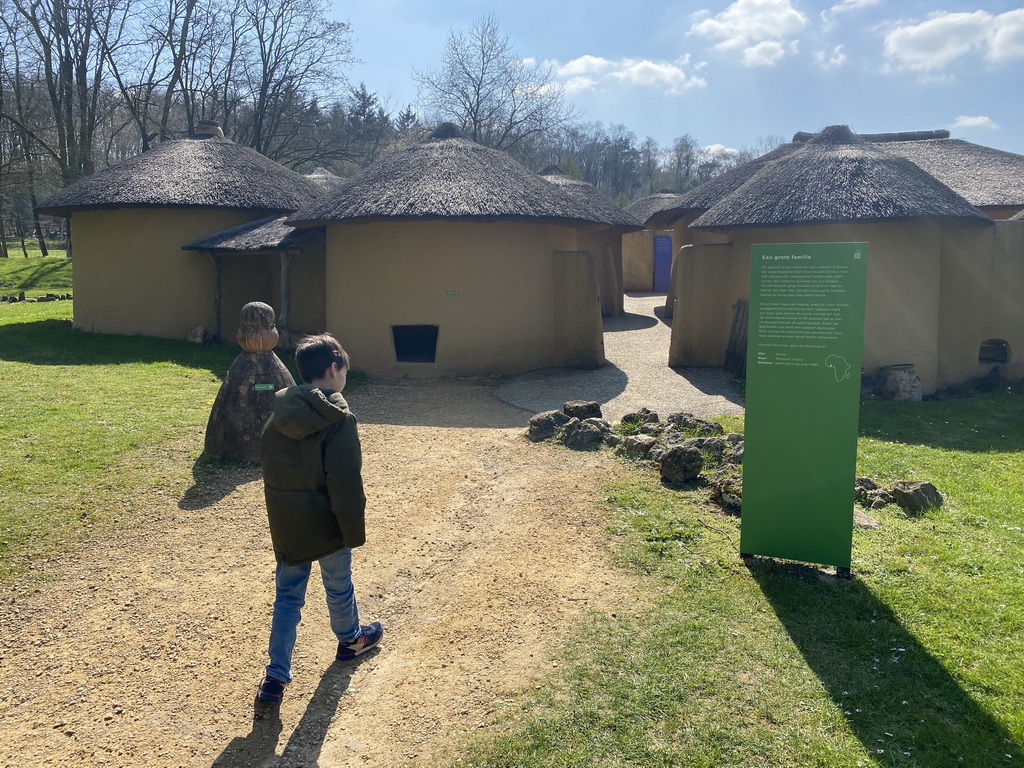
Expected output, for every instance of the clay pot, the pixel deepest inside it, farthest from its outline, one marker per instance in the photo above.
(256, 331)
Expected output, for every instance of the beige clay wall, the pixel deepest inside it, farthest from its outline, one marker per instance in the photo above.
(131, 276)
(309, 301)
(244, 278)
(638, 261)
(902, 303)
(502, 319)
(605, 248)
(982, 286)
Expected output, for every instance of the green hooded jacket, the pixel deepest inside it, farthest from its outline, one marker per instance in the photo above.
(312, 478)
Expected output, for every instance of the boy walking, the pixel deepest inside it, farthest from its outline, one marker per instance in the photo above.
(312, 480)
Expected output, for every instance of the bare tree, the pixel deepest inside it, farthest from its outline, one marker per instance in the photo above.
(293, 51)
(498, 98)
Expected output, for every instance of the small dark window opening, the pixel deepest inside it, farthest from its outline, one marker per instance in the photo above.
(415, 343)
(994, 351)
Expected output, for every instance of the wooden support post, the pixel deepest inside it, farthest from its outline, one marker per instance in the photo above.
(284, 317)
(215, 258)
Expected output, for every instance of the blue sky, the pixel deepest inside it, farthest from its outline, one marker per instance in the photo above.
(730, 72)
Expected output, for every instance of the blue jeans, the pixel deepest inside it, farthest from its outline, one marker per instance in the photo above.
(336, 572)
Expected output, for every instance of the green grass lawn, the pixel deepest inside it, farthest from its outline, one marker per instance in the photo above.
(79, 414)
(36, 275)
(914, 662)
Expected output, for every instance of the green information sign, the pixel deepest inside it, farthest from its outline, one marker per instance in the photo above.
(805, 336)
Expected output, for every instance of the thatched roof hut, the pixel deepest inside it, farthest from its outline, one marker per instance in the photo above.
(706, 195)
(326, 180)
(837, 176)
(207, 171)
(447, 178)
(598, 203)
(647, 209)
(450, 258)
(983, 176)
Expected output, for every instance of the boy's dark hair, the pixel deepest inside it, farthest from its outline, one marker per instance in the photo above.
(314, 355)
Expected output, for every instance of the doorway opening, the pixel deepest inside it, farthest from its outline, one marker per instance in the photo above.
(415, 343)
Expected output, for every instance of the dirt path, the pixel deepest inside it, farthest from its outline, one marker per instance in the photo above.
(144, 649)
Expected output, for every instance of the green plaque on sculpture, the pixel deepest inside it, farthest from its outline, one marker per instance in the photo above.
(805, 339)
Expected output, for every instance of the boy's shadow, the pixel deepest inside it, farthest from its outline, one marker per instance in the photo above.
(304, 745)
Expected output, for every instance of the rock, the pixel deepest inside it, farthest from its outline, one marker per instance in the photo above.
(916, 497)
(863, 521)
(643, 416)
(199, 335)
(651, 428)
(582, 409)
(687, 422)
(727, 488)
(612, 440)
(870, 494)
(899, 382)
(734, 453)
(601, 424)
(637, 446)
(581, 435)
(712, 446)
(546, 425)
(680, 464)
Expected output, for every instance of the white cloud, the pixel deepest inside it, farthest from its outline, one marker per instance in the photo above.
(980, 121)
(945, 37)
(830, 59)
(1008, 37)
(591, 72)
(764, 54)
(828, 17)
(760, 28)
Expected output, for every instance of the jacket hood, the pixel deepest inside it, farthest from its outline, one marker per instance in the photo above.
(305, 410)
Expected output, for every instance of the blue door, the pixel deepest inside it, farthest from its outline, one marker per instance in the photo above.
(662, 262)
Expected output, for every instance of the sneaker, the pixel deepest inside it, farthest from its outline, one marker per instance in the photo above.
(270, 690)
(370, 637)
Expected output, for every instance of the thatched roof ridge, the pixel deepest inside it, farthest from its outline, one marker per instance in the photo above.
(702, 197)
(210, 172)
(325, 179)
(647, 208)
(837, 176)
(981, 175)
(446, 178)
(588, 195)
(266, 234)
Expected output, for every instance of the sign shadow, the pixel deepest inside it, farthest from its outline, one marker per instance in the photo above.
(898, 699)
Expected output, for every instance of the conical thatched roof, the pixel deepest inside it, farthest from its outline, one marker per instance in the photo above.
(647, 209)
(703, 197)
(837, 176)
(210, 172)
(981, 175)
(446, 178)
(266, 234)
(596, 202)
(327, 181)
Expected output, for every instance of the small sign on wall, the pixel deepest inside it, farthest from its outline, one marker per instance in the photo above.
(804, 345)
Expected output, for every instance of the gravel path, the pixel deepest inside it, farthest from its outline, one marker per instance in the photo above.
(636, 375)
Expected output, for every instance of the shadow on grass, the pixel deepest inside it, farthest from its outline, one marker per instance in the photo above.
(898, 699)
(55, 342)
(980, 424)
(37, 273)
(306, 741)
